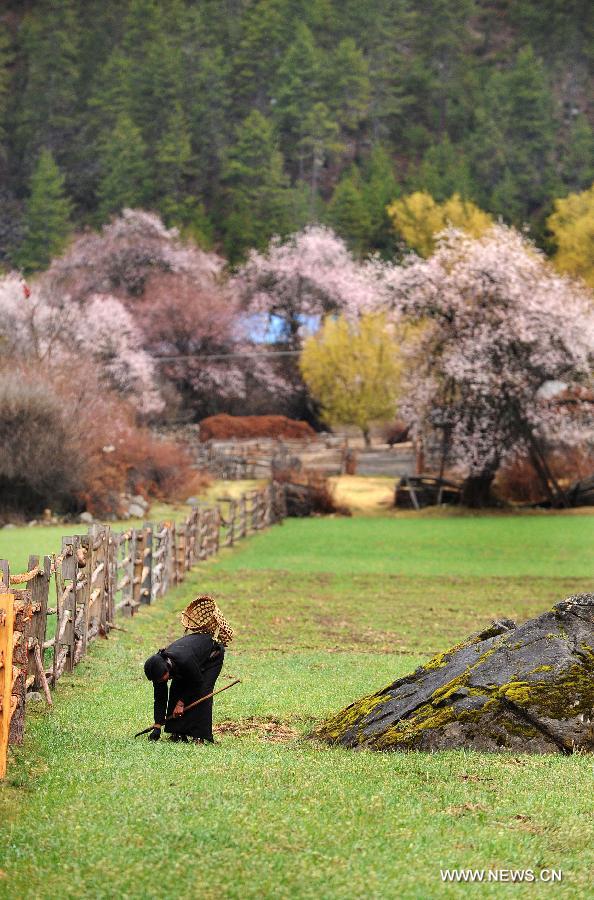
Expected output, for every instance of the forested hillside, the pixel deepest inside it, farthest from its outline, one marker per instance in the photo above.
(238, 119)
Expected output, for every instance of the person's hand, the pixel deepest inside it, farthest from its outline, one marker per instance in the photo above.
(155, 734)
(179, 709)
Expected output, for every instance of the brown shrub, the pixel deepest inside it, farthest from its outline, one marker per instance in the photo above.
(309, 492)
(517, 481)
(139, 463)
(41, 464)
(68, 443)
(396, 432)
(224, 427)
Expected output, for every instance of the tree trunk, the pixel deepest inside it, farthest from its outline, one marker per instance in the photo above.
(476, 490)
(366, 437)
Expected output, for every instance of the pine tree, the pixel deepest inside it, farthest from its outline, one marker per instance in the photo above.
(265, 34)
(110, 97)
(506, 200)
(300, 79)
(49, 112)
(486, 144)
(346, 85)
(515, 131)
(258, 195)
(47, 216)
(577, 158)
(531, 129)
(319, 142)
(348, 214)
(440, 76)
(124, 169)
(173, 155)
(206, 100)
(444, 171)
(156, 68)
(380, 188)
(6, 58)
(381, 29)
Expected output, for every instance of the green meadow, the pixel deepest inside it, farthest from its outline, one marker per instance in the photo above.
(325, 610)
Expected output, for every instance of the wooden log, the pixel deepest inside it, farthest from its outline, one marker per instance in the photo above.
(61, 664)
(22, 618)
(40, 675)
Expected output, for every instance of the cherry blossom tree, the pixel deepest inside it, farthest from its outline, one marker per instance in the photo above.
(52, 331)
(498, 325)
(306, 276)
(121, 257)
(180, 305)
(199, 336)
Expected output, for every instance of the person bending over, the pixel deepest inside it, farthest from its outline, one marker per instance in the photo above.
(192, 664)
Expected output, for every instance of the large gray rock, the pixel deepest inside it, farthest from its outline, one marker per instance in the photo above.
(523, 688)
(136, 511)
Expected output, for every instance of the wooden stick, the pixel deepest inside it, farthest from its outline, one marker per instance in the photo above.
(41, 674)
(192, 705)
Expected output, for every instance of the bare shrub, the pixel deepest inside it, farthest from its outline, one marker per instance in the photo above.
(68, 443)
(40, 462)
(518, 482)
(309, 492)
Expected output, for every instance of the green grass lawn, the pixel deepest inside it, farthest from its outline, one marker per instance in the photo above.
(325, 611)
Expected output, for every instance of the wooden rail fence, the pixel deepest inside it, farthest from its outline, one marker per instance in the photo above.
(45, 632)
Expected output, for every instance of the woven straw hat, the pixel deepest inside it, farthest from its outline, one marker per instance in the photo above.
(203, 616)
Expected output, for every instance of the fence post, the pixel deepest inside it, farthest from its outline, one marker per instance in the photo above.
(6, 635)
(217, 530)
(4, 575)
(110, 579)
(172, 553)
(242, 517)
(83, 606)
(66, 607)
(128, 568)
(146, 583)
(180, 555)
(138, 558)
(39, 587)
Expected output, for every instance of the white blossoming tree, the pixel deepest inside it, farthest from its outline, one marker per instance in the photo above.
(497, 325)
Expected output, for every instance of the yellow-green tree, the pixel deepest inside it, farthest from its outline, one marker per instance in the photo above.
(352, 369)
(418, 218)
(572, 225)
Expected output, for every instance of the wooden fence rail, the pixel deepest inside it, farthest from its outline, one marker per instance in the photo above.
(44, 633)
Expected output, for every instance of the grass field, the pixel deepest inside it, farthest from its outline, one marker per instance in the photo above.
(325, 611)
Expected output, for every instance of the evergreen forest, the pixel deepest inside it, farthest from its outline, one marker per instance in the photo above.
(236, 120)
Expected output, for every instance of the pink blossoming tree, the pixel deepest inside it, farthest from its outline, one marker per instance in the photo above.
(179, 301)
(497, 326)
(308, 275)
(56, 332)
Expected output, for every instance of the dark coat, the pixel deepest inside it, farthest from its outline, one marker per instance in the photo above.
(196, 660)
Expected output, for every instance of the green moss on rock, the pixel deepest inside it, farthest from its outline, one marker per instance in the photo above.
(521, 688)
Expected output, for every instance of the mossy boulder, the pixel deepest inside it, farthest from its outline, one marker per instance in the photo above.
(526, 688)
